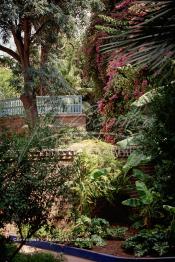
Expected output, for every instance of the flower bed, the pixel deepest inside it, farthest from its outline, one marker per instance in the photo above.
(94, 256)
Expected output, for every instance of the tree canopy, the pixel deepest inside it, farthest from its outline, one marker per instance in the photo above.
(37, 24)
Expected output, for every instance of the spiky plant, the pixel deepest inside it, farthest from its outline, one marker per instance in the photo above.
(151, 42)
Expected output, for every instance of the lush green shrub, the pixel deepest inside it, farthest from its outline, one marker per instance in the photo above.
(28, 187)
(155, 242)
(86, 226)
(117, 233)
(88, 232)
(89, 242)
(89, 179)
(55, 234)
(158, 141)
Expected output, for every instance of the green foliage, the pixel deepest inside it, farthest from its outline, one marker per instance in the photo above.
(5, 245)
(89, 179)
(146, 98)
(55, 234)
(43, 233)
(84, 242)
(117, 233)
(89, 242)
(84, 232)
(146, 196)
(69, 63)
(106, 29)
(27, 187)
(153, 242)
(37, 28)
(135, 159)
(124, 80)
(6, 90)
(86, 226)
(129, 126)
(158, 142)
(110, 20)
(61, 235)
(97, 153)
(7, 248)
(38, 257)
(160, 133)
(170, 209)
(88, 232)
(146, 201)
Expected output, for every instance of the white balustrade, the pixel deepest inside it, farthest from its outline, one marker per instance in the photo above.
(54, 105)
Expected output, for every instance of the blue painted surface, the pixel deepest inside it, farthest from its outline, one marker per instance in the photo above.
(77, 252)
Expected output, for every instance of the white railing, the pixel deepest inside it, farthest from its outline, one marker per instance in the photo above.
(46, 104)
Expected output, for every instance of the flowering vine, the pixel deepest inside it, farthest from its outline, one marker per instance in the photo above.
(122, 83)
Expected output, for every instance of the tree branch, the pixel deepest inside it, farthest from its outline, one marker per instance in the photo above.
(38, 30)
(27, 33)
(10, 52)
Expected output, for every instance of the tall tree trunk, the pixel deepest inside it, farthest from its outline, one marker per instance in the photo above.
(28, 99)
(43, 90)
(30, 106)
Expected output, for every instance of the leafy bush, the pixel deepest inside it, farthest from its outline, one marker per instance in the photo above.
(87, 226)
(43, 233)
(83, 242)
(90, 179)
(153, 242)
(145, 202)
(118, 233)
(89, 242)
(28, 187)
(158, 141)
(88, 232)
(61, 235)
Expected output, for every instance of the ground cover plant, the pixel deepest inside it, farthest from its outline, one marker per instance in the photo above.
(84, 232)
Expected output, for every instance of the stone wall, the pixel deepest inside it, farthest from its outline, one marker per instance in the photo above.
(17, 124)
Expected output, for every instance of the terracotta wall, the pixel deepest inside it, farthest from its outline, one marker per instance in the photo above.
(78, 121)
(17, 124)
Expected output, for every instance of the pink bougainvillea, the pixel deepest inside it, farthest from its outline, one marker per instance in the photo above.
(117, 94)
(120, 87)
(123, 4)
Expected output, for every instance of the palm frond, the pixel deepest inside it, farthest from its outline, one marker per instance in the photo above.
(151, 42)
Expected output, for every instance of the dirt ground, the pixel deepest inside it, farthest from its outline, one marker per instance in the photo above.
(113, 247)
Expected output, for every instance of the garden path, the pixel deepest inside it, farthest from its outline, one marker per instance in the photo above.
(27, 249)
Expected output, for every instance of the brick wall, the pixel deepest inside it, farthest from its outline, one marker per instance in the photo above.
(78, 121)
(17, 124)
(12, 124)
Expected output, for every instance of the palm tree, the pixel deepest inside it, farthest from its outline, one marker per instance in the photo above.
(151, 42)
